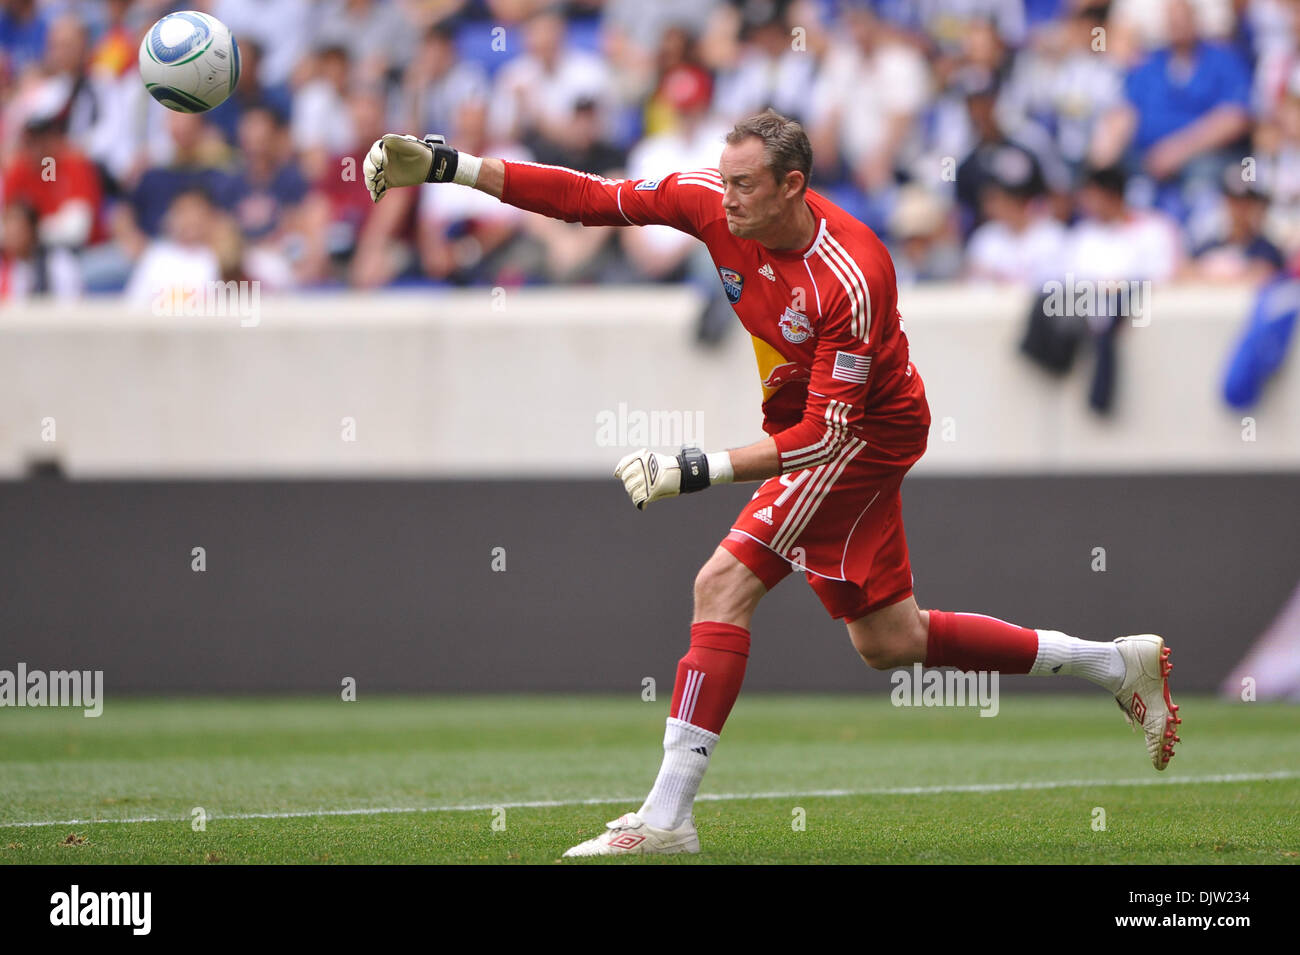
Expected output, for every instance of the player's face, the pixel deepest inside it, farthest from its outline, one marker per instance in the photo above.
(752, 199)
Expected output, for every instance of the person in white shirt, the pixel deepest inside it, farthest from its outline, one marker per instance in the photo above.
(1019, 241)
(1114, 241)
(183, 262)
(535, 94)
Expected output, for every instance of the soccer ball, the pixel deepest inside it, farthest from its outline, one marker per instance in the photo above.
(189, 62)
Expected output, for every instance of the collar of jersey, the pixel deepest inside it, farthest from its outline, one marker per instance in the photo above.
(812, 246)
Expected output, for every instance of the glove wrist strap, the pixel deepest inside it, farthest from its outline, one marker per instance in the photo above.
(695, 470)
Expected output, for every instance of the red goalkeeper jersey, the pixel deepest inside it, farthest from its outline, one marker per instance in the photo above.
(832, 356)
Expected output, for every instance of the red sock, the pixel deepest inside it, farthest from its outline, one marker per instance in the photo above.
(972, 641)
(709, 676)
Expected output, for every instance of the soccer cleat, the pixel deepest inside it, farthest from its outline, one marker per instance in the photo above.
(1144, 696)
(629, 835)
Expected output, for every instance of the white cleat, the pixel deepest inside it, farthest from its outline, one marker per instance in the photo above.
(628, 835)
(1144, 696)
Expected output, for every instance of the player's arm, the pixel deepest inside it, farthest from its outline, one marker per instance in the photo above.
(824, 436)
(837, 391)
(650, 476)
(683, 202)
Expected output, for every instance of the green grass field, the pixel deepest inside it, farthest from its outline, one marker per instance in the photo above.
(424, 779)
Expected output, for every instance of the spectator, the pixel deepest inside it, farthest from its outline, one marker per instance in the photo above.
(321, 122)
(27, 268)
(200, 159)
(766, 70)
(271, 189)
(348, 236)
(946, 24)
(577, 253)
(1278, 59)
(277, 27)
(467, 237)
(632, 34)
(1063, 85)
(377, 35)
(587, 148)
(535, 93)
(184, 259)
(1277, 153)
(1187, 106)
(94, 107)
(1019, 241)
(661, 253)
(51, 174)
(439, 81)
(250, 93)
(1113, 241)
(1240, 253)
(865, 101)
(23, 27)
(993, 153)
(924, 237)
(117, 48)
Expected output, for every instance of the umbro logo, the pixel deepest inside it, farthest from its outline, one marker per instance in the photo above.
(764, 514)
(1139, 708)
(626, 840)
(767, 273)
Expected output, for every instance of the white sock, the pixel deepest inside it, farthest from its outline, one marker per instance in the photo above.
(1059, 653)
(687, 749)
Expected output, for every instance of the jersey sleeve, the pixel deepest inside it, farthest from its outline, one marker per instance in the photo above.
(684, 200)
(835, 412)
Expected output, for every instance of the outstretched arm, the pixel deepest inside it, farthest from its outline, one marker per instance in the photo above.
(684, 201)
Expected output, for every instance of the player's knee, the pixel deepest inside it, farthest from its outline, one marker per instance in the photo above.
(881, 655)
(723, 591)
(888, 647)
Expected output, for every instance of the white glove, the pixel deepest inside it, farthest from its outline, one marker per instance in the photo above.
(648, 476)
(397, 160)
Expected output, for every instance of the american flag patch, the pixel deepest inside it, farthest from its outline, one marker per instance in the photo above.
(850, 367)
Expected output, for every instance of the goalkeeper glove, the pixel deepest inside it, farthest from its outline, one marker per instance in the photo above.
(396, 160)
(648, 476)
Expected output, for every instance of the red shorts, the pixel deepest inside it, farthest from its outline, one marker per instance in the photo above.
(841, 523)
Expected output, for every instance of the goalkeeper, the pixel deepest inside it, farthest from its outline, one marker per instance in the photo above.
(845, 415)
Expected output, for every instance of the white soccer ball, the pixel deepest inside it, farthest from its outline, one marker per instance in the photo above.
(189, 61)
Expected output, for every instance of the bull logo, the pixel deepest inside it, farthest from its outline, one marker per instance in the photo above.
(795, 326)
(784, 374)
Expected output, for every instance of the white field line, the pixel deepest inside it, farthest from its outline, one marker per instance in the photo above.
(703, 797)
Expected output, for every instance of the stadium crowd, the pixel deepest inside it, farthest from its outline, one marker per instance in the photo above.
(1009, 140)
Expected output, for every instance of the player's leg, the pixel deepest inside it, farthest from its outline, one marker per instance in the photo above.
(709, 677)
(1134, 669)
(889, 630)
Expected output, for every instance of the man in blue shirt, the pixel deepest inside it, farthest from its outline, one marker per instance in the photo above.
(1187, 107)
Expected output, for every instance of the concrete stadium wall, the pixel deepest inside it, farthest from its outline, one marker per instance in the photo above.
(392, 582)
(516, 383)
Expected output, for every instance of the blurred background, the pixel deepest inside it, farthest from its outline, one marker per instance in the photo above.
(388, 455)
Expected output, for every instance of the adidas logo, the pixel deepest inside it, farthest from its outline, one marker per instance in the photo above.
(701, 750)
(767, 273)
(764, 514)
